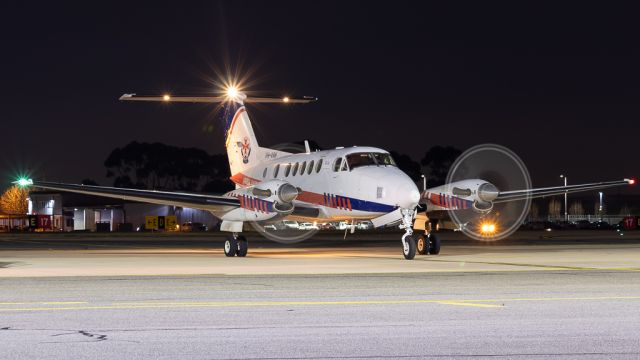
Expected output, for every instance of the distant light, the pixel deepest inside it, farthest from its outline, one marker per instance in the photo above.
(632, 181)
(285, 99)
(166, 97)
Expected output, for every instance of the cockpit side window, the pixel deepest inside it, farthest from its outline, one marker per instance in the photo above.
(384, 159)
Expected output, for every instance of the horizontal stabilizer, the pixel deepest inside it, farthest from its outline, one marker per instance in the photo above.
(218, 99)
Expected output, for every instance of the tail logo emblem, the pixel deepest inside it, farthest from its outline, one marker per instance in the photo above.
(245, 149)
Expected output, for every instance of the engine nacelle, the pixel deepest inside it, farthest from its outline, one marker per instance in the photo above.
(279, 192)
(480, 192)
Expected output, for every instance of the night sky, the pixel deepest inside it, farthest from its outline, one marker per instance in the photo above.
(559, 86)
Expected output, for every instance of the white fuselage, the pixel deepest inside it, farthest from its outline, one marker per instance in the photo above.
(335, 182)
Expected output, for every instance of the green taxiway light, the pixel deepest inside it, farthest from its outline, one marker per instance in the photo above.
(24, 182)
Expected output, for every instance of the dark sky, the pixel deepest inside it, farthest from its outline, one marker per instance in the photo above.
(559, 86)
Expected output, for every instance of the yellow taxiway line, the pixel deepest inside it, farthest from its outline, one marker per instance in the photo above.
(481, 303)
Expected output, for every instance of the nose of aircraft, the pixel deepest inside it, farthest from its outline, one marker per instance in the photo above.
(407, 193)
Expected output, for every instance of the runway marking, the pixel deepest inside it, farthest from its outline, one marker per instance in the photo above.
(462, 303)
(482, 303)
(45, 303)
(549, 267)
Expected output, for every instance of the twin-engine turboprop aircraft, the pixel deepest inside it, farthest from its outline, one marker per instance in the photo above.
(354, 183)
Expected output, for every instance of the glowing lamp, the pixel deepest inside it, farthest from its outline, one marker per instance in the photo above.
(232, 92)
(22, 182)
(166, 97)
(285, 99)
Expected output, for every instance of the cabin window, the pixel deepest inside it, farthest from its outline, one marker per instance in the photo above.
(295, 169)
(303, 167)
(276, 170)
(287, 170)
(310, 169)
(319, 166)
(337, 164)
(264, 173)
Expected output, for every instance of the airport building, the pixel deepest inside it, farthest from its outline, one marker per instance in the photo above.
(60, 211)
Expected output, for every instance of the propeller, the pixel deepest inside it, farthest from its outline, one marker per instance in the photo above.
(286, 195)
(492, 169)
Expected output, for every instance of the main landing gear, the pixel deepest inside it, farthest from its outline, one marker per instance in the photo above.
(236, 245)
(423, 244)
(428, 243)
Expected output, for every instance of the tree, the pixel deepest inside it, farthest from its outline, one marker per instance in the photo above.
(554, 208)
(576, 208)
(437, 161)
(14, 201)
(406, 164)
(163, 167)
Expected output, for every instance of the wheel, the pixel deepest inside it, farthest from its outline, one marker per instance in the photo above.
(409, 247)
(243, 246)
(434, 244)
(422, 245)
(230, 246)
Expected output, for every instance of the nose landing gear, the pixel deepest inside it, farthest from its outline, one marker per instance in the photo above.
(408, 242)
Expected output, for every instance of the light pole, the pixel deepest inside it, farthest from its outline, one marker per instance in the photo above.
(566, 212)
(600, 207)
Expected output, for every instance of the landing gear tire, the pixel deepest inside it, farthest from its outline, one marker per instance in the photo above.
(230, 246)
(422, 245)
(434, 244)
(243, 246)
(408, 247)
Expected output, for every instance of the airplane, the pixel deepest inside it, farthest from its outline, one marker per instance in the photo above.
(341, 184)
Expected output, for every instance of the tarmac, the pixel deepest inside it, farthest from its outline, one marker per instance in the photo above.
(538, 295)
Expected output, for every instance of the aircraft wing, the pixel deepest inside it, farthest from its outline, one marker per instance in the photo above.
(515, 195)
(197, 201)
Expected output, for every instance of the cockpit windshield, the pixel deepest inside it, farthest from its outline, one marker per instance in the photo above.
(356, 160)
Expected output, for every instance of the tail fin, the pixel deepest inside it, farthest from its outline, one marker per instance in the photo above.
(242, 147)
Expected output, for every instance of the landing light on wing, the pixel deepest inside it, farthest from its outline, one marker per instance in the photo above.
(166, 97)
(488, 228)
(285, 99)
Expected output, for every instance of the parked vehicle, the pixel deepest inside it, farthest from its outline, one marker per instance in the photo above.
(290, 224)
(364, 225)
(193, 227)
(308, 226)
